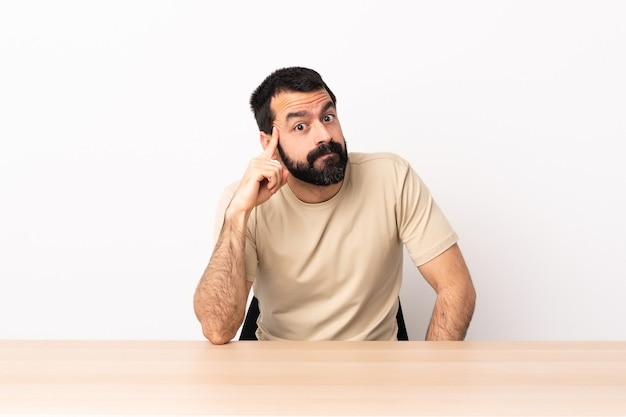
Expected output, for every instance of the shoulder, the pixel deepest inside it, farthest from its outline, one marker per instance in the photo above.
(372, 158)
(230, 189)
(377, 162)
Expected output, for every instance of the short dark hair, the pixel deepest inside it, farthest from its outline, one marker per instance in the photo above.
(285, 79)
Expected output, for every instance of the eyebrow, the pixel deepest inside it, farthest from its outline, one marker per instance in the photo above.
(304, 113)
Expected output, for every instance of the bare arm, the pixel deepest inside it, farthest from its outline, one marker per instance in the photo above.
(221, 295)
(456, 296)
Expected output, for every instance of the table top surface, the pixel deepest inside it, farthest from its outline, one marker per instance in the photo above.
(312, 378)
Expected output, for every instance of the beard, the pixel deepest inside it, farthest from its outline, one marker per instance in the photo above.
(333, 168)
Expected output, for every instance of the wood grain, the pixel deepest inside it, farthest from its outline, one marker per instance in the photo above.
(312, 378)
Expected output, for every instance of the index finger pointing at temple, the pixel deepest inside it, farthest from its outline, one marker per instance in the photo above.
(270, 149)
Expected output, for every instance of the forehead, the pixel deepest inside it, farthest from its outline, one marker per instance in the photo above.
(290, 102)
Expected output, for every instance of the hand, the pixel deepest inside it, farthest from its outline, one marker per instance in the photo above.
(262, 179)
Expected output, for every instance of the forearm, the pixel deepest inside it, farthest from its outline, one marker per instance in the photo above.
(221, 295)
(452, 314)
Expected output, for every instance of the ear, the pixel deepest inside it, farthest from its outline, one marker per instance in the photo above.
(264, 138)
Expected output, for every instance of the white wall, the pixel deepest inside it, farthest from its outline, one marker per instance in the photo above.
(120, 122)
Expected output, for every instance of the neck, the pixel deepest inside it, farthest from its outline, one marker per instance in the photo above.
(311, 194)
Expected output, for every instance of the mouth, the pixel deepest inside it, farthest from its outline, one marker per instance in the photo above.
(325, 152)
(327, 157)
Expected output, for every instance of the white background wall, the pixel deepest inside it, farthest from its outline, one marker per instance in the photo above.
(121, 121)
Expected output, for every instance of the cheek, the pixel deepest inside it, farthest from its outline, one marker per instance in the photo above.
(337, 134)
(296, 150)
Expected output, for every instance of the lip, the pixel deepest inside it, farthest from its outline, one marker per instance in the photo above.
(327, 155)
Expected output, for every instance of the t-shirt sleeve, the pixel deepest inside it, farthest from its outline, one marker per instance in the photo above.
(222, 205)
(422, 226)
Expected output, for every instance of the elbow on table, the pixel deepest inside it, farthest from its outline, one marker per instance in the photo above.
(217, 337)
(216, 331)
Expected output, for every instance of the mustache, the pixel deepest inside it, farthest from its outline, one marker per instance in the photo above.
(324, 149)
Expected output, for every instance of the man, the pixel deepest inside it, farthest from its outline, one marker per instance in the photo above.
(319, 233)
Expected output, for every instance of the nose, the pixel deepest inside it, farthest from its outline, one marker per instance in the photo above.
(321, 134)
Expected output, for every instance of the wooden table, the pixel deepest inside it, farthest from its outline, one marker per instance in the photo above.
(312, 378)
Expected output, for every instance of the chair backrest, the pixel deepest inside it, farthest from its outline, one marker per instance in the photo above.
(248, 330)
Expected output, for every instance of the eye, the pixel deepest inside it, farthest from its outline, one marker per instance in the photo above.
(299, 127)
(329, 118)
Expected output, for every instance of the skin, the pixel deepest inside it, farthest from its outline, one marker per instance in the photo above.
(303, 121)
